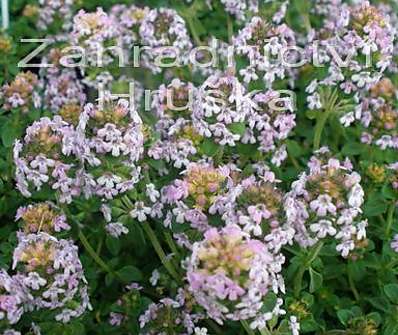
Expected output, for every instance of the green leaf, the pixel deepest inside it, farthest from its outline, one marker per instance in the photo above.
(130, 273)
(311, 114)
(391, 291)
(344, 315)
(74, 328)
(109, 278)
(8, 134)
(208, 147)
(294, 149)
(310, 325)
(391, 327)
(316, 280)
(357, 270)
(269, 302)
(113, 245)
(375, 205)
(237, 128)
(353, 148)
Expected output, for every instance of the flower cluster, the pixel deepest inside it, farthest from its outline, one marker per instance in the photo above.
(259, 42)
(11, 297)
(130, 19)
(221, 104)
(164, 31)
(179, 140)
(52, 275)
(326, 202)
(230, 274)
(45, 157)
(195, 196)
(63, 91)
(166, 316)
(379, 116)
(51, 12)
(361, 37)
(113, 143)
(269, 124)
(95, 31)
(42, 217)
(238, 8)
(22, 93)
(258, 206)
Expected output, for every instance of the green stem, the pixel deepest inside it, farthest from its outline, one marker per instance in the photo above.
(171, 244)
(192, 28)
(95, 256)
(294, 161)
(312, 255)
(391, 265)
(161, 254)
(230, 28)
(352, 284)
(303, 10)
(214, 327)
(328, 99)
(99, 247)
(265, 331)
(320, 124)
(246, 326)
(390, 217)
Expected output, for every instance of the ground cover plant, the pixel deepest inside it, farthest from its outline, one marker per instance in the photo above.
(199, 167)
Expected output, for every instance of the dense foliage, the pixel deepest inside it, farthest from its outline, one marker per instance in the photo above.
(199, 167)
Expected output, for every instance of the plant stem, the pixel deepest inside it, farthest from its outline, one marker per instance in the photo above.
(192, 28)
(265, 331)
(161, 254)
(171, 244)
(352, 284)
(392, 264)
(390, 217)
(320, 124)
(215, 328)
(304, 14)
(230, 28)
(294, 161)
(328, 102)
(312, 255)
(95, 256)
(245, 325)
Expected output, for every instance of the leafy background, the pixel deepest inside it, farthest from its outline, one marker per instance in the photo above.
(342, 296)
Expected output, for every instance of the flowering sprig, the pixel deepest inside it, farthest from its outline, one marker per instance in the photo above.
(259, 42)
(112, 137)
(222, 103)
(46, 157)
(22, 93)
(178, 141)
(62, 91)
(164, 31)
(42, 217)
(54, 12)
(12, 296)
(94, 31)
(130, 18)
(51, 272)
(258, 206)
(362, 37)
(193, 198)
(230, 274)
(379, 116)
(169, 315)
(326, 202)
